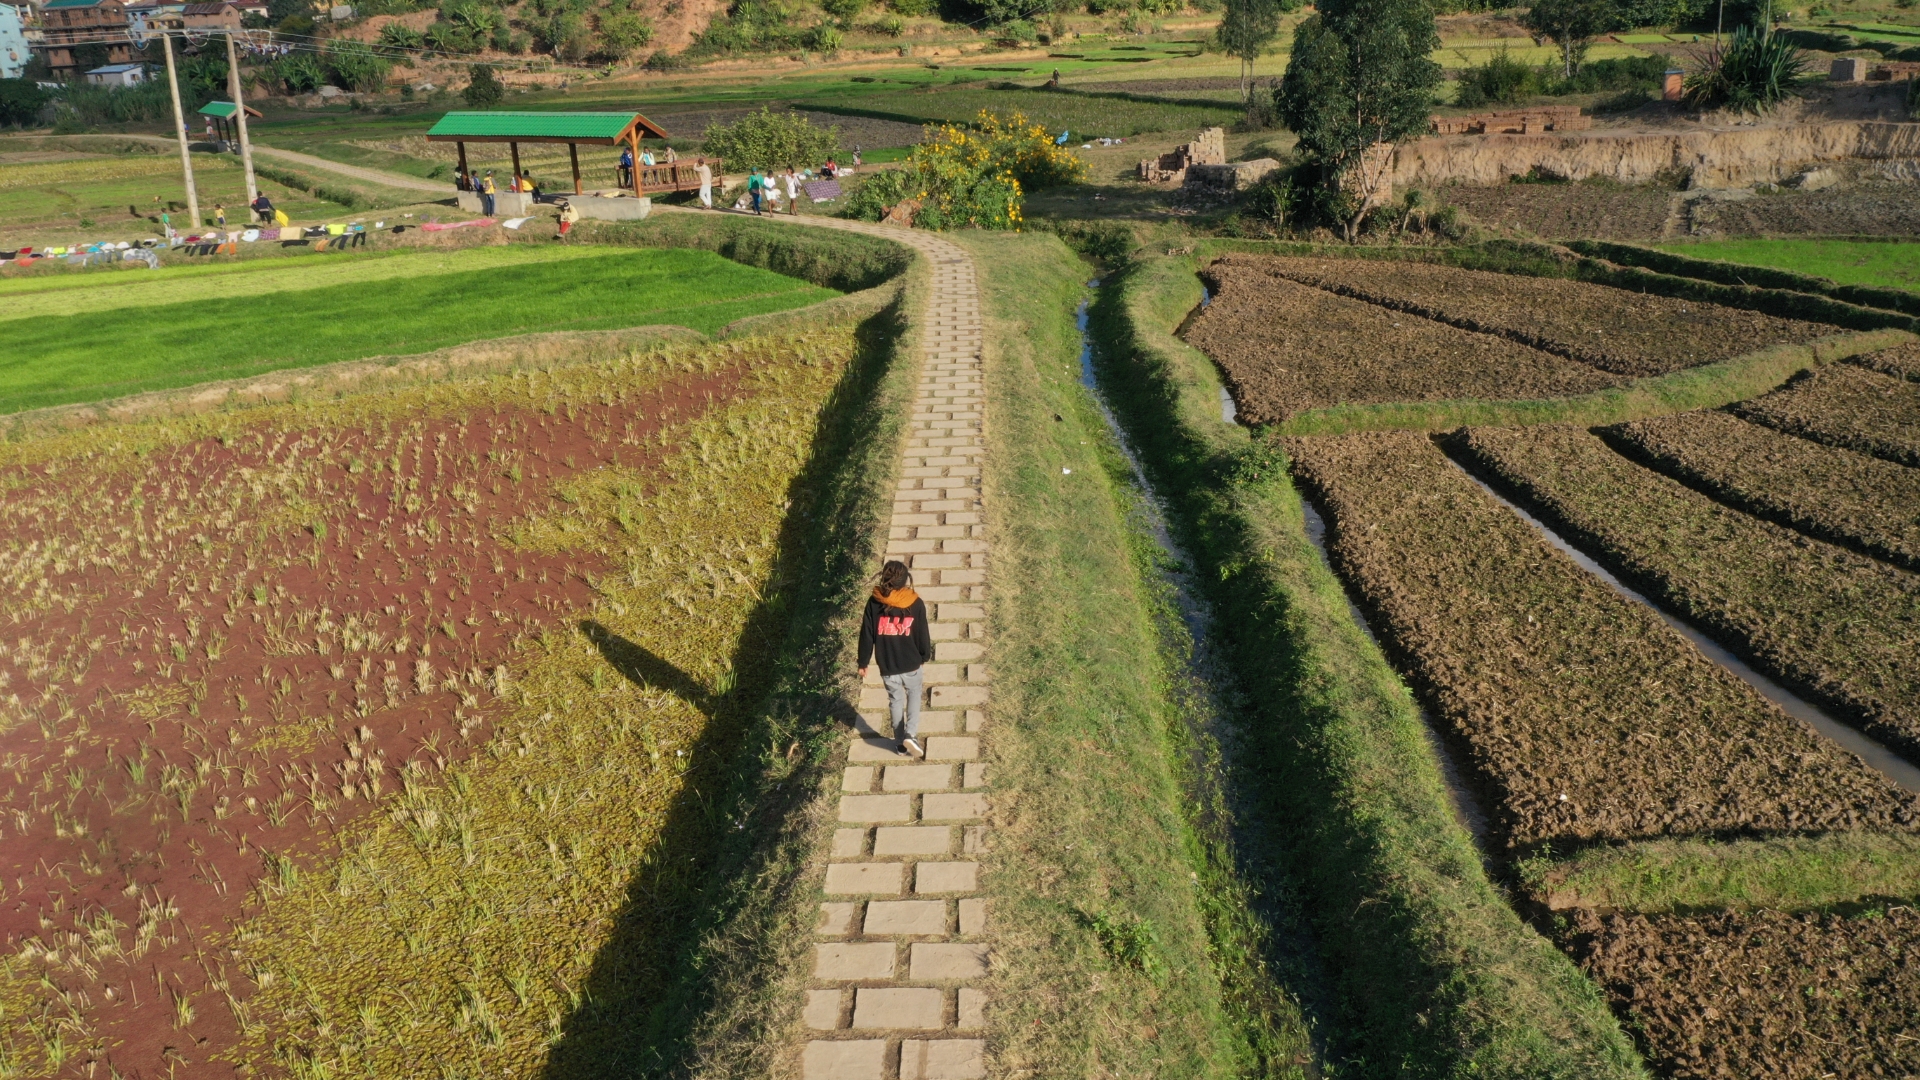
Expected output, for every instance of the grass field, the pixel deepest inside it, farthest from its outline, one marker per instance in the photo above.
(193, 330)
(1848, 262)
(91, 194)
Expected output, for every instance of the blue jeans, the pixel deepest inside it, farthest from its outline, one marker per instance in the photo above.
(756, 200)
(486, 203)
(903, 696)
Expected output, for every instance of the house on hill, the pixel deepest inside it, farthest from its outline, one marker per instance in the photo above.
(118, 75)
(14, 50)
(67, 24)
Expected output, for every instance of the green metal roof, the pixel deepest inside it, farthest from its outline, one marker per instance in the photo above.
(222, 109)
(67, 4)
(541, 126)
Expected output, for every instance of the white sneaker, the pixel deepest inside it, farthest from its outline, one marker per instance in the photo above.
(911, 748)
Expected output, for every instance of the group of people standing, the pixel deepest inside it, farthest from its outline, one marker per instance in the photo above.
(486, 187)
(763, 187)
(647, 161)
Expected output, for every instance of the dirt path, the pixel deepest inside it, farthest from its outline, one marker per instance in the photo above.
(902, 943)
(371, 176)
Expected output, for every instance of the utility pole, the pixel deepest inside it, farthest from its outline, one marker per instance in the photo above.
(240, 117)
(180, 131)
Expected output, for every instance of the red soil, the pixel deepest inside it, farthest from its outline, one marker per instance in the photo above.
(169, 726)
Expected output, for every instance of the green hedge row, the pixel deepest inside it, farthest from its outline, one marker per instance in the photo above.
(1737, 274)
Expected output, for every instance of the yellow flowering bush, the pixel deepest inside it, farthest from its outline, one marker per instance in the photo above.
(972, 177)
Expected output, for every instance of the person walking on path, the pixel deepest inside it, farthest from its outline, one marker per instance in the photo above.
(568, 215)
(626, 168)
(793, 191)
(754, 185)
(894, 632)
(705, 172)
(263, 206)
(487, 193)
(219, 215)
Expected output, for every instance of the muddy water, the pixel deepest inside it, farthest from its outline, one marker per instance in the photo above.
(1885, 761)
(1466, 809)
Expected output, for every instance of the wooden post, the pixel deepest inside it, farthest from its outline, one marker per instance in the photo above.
(240, 121)
(573, 151)
(515, 147)
(635, 137)
(461, 145)
(180, 131)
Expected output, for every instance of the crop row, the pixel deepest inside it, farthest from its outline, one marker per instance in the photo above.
(1846, 405)
(1901, 360)
(1627, 333)
(1287, 348)
(1841, 625)
(1581, 714)
(1837, 495)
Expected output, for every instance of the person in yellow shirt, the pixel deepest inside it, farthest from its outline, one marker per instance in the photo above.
(487, 192)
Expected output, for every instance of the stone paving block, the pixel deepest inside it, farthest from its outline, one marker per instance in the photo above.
(976, 721)
(912, 840)
(969, 518)
(942, 1059)
(974, 774)
(937, 561)
(977, 673)
(946, 961)
(935, 593)
(931, 505)
(973, 840)
(967, 576)
(910, 918)
(857, 879)
(917, 521)
(955, 697)
(853, 1059)
(917, 778)
(945, 877)
(879, 749)
(897, 548)
(849, 843)
(837, 919)
(856, 809)
(956, 651)
(857, 778)
(973, 1009)
(917, 1007)
(973, 916)
(937, 721)
(874, 697)
(823, 1009)
(839, 960)
(953, 748)
(965, 544)
(941, 532)
(952, 806)
(934, 674)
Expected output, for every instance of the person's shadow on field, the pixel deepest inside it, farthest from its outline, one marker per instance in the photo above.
(645, 669)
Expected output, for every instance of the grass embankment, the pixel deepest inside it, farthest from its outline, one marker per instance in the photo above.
(1123, 933)
(1786, 874)
(58, 359)
(1434, 974)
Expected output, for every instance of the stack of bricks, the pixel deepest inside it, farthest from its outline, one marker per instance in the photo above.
(901, 946)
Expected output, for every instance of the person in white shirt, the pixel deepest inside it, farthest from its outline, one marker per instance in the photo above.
(705, 172)
(793, 191)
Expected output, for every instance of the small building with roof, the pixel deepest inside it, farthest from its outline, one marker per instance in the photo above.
(623, 129)
(221, 115)
(14, 50)
(118, 75)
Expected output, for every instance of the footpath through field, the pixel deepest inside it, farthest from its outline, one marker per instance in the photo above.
(902, 942)
(442, 188)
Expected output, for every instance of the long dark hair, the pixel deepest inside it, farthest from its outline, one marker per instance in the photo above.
(894, 576)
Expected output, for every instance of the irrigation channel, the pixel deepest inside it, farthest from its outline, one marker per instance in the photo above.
(1199, 678)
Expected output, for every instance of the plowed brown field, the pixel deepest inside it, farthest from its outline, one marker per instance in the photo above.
(1739, 995)
(1628, 333)
(1845, 405)
(1286, 348)
(1843, 626)
(1901, 360)
(1837, 495)
(1581, 714)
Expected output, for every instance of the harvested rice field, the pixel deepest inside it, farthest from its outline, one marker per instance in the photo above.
(1581, 715)
(1763, 993)
(341, 737)
(1848, 406)
(1626, 333)
(1285, 348)
(1846, 498)
(1902, 361)
(1842, 626)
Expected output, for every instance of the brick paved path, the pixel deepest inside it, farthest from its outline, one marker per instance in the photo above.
(903, 942)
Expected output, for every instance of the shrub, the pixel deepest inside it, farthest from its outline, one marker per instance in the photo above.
(844, 12)
(768, 139)
(1754, 72)
(890, 25)
(400, 36)
(299, 73)
(483, 91)
(822, 37)
(911, 8)
(1630, 73)
(20, 102)
(353, 65)
(623, 35)
(971, 178)
(1500, 80)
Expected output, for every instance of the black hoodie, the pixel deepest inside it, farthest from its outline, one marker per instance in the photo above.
(895, 630)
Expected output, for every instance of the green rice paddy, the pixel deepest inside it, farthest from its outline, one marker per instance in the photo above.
(1849, 262)
(131, 334)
